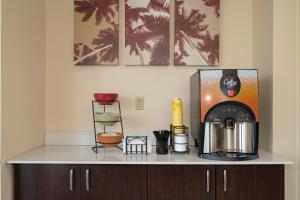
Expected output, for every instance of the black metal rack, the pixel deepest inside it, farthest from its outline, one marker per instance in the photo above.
(97, 143)
(185, 130)
(133, 148)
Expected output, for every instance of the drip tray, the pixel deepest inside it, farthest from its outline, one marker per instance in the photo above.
(229, 156)
(233, 155)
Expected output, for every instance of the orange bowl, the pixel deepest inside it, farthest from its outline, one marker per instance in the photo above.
(110, 139)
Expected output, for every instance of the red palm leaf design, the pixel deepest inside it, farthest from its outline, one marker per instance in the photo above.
(191, 24)
(155, 27)
(133, 13)
(77, 50)
(105, 38)
(160, 52)
(178, 59)
(137, 37)
(211, 46)
(157, 21)
(80, 50)
(215, 4)
(102, 8)
(157, 18)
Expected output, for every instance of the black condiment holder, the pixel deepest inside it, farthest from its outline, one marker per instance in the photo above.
(185, 131)
(129, 147)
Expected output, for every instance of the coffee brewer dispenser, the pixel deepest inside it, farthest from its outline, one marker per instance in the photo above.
(225, 113)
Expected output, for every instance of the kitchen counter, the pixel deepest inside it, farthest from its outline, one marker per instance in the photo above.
(84, 155)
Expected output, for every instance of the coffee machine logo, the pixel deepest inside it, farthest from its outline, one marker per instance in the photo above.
(230, 84)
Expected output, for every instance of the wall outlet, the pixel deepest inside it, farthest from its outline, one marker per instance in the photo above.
(139, 103)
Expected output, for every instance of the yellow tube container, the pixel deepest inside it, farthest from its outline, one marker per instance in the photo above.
(177, 115)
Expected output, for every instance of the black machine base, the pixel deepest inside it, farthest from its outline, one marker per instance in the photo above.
(229, 156)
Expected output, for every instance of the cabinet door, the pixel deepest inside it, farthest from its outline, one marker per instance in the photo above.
(114, 182)
(269, 182)
(47, 182)
(250, 182)
(64, 182)
(181, 182)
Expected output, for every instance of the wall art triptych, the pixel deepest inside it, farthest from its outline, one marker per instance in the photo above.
(147, 32)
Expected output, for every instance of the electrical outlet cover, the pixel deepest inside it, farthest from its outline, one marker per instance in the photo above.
(139, 103)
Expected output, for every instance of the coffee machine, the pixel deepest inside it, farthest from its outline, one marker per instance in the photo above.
(225, 113)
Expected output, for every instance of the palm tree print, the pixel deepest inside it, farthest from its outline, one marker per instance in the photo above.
(210, 45)
(147, 31)
(103, 9)
(109, 39)
(80, 50)
(193, 43)
(103, 48)
(215, 4)
(136, 37)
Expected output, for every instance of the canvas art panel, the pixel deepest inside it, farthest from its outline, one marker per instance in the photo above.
(147, 32)
(196, 32)
(96, 34)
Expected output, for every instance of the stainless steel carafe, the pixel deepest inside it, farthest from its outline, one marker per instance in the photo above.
(213, 137)
(236, 139)
(246, 137)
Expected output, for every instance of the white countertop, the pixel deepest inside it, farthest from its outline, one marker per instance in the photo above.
(84, 155)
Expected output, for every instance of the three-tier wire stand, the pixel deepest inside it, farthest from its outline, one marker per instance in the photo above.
(104, 108)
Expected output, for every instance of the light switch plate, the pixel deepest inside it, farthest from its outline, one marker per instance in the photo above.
(139, 103)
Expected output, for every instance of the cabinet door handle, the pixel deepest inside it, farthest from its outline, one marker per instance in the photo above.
(87, 180)
(71, 179)
(207, 180)
(225, 180)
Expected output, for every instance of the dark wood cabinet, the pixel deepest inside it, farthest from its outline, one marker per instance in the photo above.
(259, 182)
(152, 182)
(29, 178)
(85, 182)
(182, 182)
(47, 182)
(64, 182)
(235, 183)
(269, 181)
(114, 182)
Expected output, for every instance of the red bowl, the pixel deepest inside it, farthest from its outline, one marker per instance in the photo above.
(106, 98)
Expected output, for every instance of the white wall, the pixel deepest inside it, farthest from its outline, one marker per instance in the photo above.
(285, 89)
(0, 91)
(22, 81)
(23, 68)
(263, 60)
(298, 82)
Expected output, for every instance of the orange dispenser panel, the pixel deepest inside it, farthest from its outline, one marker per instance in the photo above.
(212, 94)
